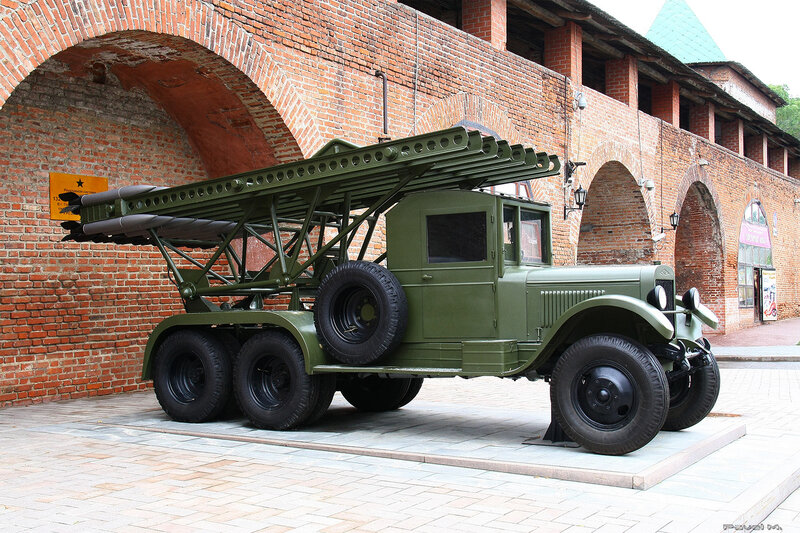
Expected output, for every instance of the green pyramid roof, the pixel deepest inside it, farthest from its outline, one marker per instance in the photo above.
(677, 30)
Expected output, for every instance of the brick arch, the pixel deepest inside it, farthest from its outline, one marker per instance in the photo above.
(43, 29)
(614, 151)
(615, 224)
(700, 241)
(470, 108)
(610, 151)
(697, 174)
(475, 112)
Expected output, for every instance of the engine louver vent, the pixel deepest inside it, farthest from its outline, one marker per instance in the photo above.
(555, 303)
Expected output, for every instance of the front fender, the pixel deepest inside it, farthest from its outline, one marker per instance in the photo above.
(650, 314)
(300, 324)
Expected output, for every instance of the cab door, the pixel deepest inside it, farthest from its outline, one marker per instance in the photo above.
(458, 274)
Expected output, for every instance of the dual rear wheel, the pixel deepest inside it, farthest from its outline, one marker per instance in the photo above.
(198, 375)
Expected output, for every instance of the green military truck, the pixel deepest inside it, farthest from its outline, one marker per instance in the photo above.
(465, 288)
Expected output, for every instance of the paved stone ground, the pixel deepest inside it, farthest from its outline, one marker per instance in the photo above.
(779, 333)
(67, 467)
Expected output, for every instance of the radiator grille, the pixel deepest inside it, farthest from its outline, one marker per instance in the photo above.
(669, 287)
(556, 303)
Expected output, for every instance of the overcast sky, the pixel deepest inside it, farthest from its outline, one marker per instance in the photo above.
(764, 36)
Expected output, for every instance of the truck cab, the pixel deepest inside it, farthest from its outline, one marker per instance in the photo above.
(477, 266)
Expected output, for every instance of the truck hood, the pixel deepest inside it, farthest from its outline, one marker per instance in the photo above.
(598, 274)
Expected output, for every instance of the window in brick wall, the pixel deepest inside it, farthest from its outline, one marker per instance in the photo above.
(685, 110)
(594, 72)
(448, 11)
(755, 250)
(525, 34)
(718, 121)
(645, 97)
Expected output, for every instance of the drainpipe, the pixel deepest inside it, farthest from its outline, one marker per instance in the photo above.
(385, 137)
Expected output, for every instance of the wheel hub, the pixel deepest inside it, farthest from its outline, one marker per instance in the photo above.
(186, 378)
(271, 382)
(196, 375)
(355, 315)
(605, 395)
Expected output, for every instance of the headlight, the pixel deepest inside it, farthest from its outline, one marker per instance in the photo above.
(658, 297)
(691, 300)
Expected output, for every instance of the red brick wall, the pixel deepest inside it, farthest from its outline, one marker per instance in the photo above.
(74, 317)
(314, 64)
(794, 167)
(755, 148)
(740, 88)
(779, 159)
(701, 120)
(733, 136)
(667, 103)
(562, 48)
(622, 80)
(485, 19)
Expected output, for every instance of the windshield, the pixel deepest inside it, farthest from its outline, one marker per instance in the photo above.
(528, 229)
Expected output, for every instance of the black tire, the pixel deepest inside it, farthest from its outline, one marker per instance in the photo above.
(192, 376)
(271, 384)
(232, 346)
(691, 398)
(327, 389)
(415, 384)
(360, 312)
(609, 394)
(375, 394)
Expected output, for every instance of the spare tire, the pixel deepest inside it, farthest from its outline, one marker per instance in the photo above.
(360, 312)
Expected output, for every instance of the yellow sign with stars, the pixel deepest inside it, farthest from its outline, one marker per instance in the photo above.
(80, 185)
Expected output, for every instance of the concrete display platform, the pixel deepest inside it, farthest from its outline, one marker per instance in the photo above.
(117, 464)
(497, 440)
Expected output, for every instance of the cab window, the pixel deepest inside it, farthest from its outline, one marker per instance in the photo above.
(456, 237)
(531, 235)
(510, 233)
(524, 232)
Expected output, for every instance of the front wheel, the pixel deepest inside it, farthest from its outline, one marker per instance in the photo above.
(692, 397)
(609, 394)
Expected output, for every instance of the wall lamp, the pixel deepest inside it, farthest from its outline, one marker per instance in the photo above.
(580, 200)
(674, 218)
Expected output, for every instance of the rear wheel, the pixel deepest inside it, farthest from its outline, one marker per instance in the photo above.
(327, 389)
(192, 376)
(376, 394)
(609, 394)
(271, 384)
(692, 397)
(414, 387)
(231, 410)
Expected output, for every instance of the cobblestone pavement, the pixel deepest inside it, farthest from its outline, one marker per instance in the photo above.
(65, 467)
